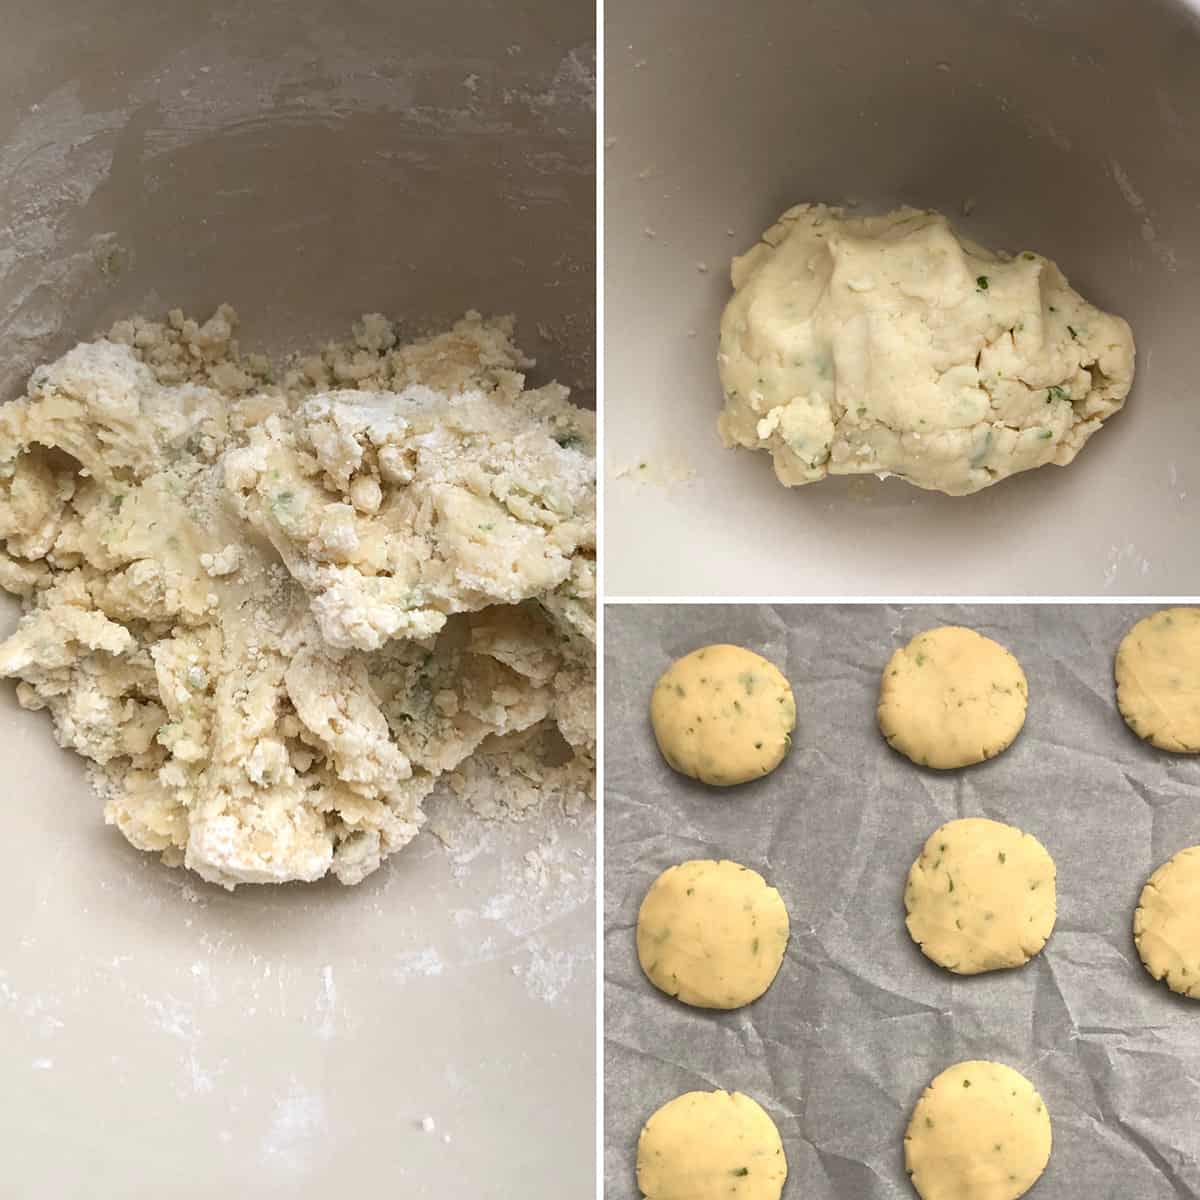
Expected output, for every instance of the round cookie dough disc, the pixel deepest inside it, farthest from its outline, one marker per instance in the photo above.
(723, 715)
(1158, 679)
(979, 1130)
(1166, 925)
(711, 1146)
(712, 933)
(981, 897)
(951, 698)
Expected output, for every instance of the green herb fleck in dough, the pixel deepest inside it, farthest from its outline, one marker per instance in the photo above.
(1056, 393)
(117, 501)
(928, 1122)
(982, 283)
(754, 946)
(966, 1083)
(951, 879)
(746, 679)
(569, 441)
(1002, 857)
(488, 527)
(1045, 434)
(758, 745)
(679, 691)
(741, 1171)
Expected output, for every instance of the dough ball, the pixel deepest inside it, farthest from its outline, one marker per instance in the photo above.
(893, 345)
(723, 715)
(711, 1146)
(1158, 679)
(981, 897)
(979, 1130)
(712, 933)
(951, 698)
(1166, 925)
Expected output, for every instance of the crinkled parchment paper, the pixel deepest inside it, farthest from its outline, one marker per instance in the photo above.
(858, 1021)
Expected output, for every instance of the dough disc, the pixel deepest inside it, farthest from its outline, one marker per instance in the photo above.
(723, 715)
(1166, 925)
(1158, 679)
(981, 897)
(711, 1146)
(979, 1130)
(712, 933)
(951, 697)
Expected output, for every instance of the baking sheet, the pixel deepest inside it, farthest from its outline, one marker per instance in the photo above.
(858, 1021)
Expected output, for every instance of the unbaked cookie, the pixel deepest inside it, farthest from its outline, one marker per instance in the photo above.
(723, 715)
(1166, 926)
(1158, 679)
(712, 934)
(711, 1146)
(951, 697)
(981, 897)
(979, 1130)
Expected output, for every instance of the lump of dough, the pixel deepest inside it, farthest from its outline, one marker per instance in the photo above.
(951, 697)
(723, 715)
(981, 896)
(892, 345)
(711, 1146)
(1158, 679)
(712, 934)
(1166, 925)
(419, 614)
(978, 1130)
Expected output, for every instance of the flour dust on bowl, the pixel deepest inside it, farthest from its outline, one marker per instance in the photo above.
(869, 337)
(304, 575)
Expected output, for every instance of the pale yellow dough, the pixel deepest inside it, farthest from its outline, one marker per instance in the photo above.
(711, 1146)
(1166, 926)
(981, 897)
(712, 933)
(279, 609)
(951, 698)
(979, 1132)
(723, 715)
(1158, 679)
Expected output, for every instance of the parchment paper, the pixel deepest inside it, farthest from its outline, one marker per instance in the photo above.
(858, 1021)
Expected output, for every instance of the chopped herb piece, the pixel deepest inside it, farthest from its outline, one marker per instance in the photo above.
(1072, 332)
(1003, 857)
(982, 283)
(568, 441)
(741, 1171)
(966, 1083)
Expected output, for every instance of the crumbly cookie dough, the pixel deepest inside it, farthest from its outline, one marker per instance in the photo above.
(276, 609)
(981, 896)
(951, 698)
(710, 1146)
(1166, 925)
(892, 345)
(979, 1130)
(712, 934)
(723, 715)
(1158, 679)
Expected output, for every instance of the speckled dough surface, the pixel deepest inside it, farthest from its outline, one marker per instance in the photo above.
(712, 933)
(1166, 925)
(723, 715)
(1158, 679)
(951, 698)
(981, 896)
(979, 1132)
(711, 1146)
(276, 610)
(892, 345)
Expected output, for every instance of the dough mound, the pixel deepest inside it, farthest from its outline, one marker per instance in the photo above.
(711, 1146)
(723, 715)
(979, 1130)
(1166, 925)
(712, 934)
(277, 610)
(981, 897)
(951, 698)
(891, 345)
(1158, 679)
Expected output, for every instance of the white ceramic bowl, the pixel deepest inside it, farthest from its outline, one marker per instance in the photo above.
(306, 162)
(1071, 127)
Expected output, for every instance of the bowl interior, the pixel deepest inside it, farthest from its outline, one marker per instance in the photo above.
(1072, 128)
